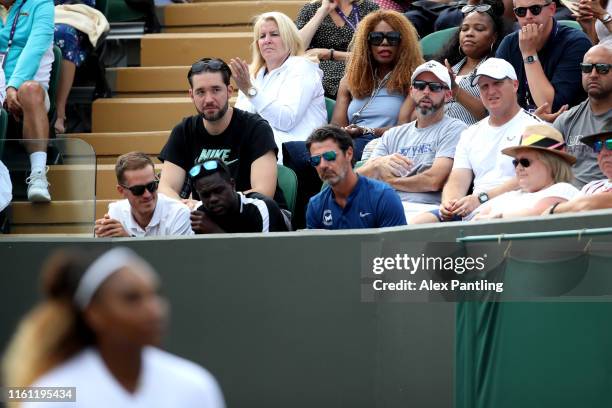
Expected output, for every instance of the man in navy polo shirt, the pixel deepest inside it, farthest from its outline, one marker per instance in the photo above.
(546, 57)
(349, 201)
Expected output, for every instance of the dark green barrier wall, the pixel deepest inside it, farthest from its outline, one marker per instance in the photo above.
(279, 320)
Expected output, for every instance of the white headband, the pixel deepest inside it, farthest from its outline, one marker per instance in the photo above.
(100, 270)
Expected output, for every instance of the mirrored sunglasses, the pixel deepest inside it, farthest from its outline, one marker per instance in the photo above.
(481, 8)
(600, 68)
(328, 156)
(377, 37)
(200, 169)
(433, 86)
(536, 9)
(599, 145)
(523, 162)
(140, 189)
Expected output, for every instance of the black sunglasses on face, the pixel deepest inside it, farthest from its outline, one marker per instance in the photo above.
(536, 9)
(433, 86)
(523, 162)
(377, 37)
(599, 145)
(140, 189)
(481, 8)
(601, 68)
(328, 156)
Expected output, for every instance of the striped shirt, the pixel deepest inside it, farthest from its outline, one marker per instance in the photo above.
(453, 108)
(595, 187)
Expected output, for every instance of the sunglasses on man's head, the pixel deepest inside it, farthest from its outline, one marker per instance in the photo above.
(209, 64)
(200, 169)
(523, 162)
(377, 37)
(328, 156)
(600, 68)
(481, 8)
(140, 189)
(433, 86)
(536, 9)
(599, 145)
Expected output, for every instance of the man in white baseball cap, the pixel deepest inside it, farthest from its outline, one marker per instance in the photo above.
(478, 158)
(416, 158)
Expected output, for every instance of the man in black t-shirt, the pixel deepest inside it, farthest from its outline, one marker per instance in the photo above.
(244, 141)
(225, 210)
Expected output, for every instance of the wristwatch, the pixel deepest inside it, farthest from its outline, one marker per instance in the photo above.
(530, 59)
(606, 18)
(251, 92)
(483, 197)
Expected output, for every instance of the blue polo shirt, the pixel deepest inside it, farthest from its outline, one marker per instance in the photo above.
(560, 58)
(371, 204)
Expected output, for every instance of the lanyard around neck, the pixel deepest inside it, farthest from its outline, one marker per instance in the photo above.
(352, 24)
(12, 34)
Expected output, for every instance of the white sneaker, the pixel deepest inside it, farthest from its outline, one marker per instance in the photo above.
(38, 187)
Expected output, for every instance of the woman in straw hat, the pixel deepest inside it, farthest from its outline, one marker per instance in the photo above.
(544, 172)
(97, 330)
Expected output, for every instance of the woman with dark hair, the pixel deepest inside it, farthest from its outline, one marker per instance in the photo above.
(97, 330)
(385, 52)
(479, 34)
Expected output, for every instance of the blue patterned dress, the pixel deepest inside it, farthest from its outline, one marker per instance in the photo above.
(74, 44)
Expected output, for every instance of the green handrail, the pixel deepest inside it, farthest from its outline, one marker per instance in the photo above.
(533, 235)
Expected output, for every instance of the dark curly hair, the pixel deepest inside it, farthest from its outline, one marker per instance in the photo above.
(501, 27)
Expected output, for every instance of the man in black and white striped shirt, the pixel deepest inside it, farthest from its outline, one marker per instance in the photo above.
(223, 210)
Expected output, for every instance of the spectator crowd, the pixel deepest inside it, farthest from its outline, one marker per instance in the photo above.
(512, 117)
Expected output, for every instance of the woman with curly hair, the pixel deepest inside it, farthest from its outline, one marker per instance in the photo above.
(97, 330)
(385, 52)
(477, 39)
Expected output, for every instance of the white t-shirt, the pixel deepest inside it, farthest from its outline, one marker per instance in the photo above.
(165, 381)
(518, 200)
(479, 149)
(290, 98)
(171, 217)
(6, 187)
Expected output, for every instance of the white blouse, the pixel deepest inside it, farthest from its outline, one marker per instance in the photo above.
(290, 98)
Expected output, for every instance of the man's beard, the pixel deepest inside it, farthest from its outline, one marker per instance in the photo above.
(216, 116)
(427, 111)
(336, 178)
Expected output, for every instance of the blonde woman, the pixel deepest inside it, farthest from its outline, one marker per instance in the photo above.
(280, 84)
(97, 330)
(326, 28)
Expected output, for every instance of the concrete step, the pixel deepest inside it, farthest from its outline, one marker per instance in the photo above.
(57, 217)
(115, 144)
(139, 114)
(148, 79)
(228, 13)
(184, 49)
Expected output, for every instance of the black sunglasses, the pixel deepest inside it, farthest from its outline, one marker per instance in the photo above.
(377, 37)
(536, 9)
(212, 64)
(481, 8)
(140, 189)
(206, 168)
(328, 156)
(523, 162)
(600, 68)
(599, 145)
(433, 86)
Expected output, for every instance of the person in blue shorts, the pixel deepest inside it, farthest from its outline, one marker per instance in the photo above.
(349, 200)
